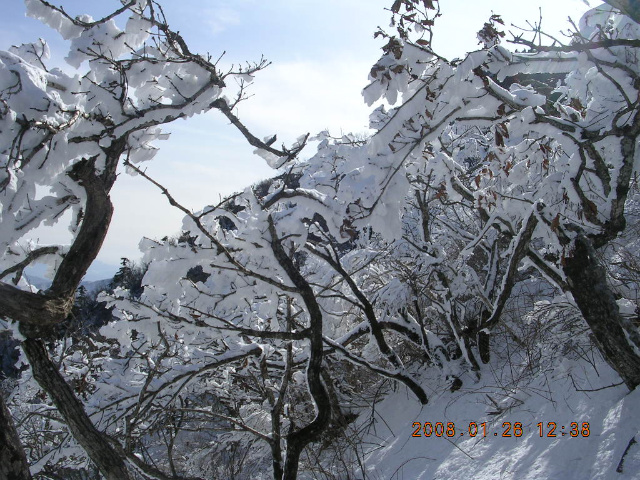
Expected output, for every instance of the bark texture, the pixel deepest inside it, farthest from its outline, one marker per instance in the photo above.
(110, 462)
(13, 461)
(588, 285)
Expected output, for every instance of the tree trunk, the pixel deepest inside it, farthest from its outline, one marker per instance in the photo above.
(13, 461)
(95, 443)
(588, 285)
(299, 439)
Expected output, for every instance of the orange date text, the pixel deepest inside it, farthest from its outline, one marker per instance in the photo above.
(507, 430)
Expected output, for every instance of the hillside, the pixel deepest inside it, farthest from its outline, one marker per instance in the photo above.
(613, 415)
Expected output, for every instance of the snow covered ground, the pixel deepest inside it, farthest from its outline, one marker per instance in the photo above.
(612, 414)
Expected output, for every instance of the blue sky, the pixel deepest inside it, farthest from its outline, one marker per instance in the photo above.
(321, 52)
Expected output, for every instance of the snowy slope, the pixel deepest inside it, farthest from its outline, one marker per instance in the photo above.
(613, 415)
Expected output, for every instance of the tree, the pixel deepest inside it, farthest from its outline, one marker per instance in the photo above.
(376, 258)
(553, 171)
(62, 140)
(272, 291)
(492, 162)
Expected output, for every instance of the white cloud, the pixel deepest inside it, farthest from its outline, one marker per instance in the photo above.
(299, 97)
(220, 18)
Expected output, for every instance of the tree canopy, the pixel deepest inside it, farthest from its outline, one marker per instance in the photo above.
(280, 314)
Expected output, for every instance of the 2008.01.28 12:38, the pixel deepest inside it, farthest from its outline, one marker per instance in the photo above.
(516, 429)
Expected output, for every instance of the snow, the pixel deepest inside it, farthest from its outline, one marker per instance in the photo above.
(613, 415)
(55, 20)
(273, 160)
(484, 157)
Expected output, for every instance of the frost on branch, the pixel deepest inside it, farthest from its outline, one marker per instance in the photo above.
(396, 261)
(62, 138)
(511, 158)
(140, 76)
(406, 250)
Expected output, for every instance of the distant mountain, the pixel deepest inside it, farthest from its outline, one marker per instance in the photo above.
(92, 286)
(100, 270)
(37, 281)
(96, 279)
(96, 286)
